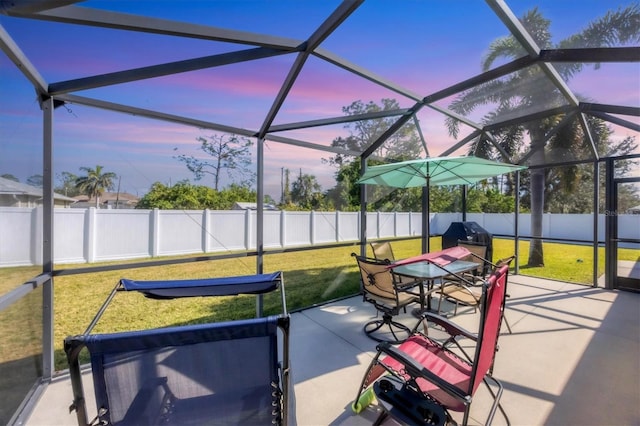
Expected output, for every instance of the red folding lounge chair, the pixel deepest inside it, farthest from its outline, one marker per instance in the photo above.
(442, 372)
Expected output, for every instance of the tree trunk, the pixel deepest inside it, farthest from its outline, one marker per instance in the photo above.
(536, 255)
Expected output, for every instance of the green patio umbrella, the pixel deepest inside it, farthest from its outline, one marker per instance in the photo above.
(434, 171)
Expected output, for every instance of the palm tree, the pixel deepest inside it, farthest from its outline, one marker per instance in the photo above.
(95, 182)
(528, 90)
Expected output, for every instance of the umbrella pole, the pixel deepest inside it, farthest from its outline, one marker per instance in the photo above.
(464, 202)
(425, 218)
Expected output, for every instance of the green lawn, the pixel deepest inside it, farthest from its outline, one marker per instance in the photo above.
(311, 277)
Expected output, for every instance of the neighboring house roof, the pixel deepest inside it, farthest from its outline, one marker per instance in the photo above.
(122, 197)
(119, 200)
(239, 205)
(11, 187)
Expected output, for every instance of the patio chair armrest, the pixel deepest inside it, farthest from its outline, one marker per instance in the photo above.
(407, 285)
(476, 280)
(461, 288)
(450, 327)
(465, 279)
(457, 284)
(411, 292)
(414, 369)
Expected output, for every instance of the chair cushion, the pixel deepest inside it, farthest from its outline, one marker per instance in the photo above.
(441, 362)
(462, 295)
(403, 299)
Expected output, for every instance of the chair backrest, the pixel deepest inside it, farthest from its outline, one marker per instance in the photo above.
(376, 277)
(492, 308)
(479, 256)
(383, 251)
(188, 374)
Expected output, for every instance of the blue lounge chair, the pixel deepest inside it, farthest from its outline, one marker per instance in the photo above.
(233, 372)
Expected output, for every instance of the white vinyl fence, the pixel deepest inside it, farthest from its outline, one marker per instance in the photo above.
(90, 235)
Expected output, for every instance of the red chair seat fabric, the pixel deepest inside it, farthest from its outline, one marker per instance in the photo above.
(443, 363)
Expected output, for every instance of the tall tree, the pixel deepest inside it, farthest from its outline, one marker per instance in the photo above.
(286, 190)
(306, 192)
(67, 184)
(230, 154)
(403, 145)
(95, 182)
(346, 194)
(528, 89)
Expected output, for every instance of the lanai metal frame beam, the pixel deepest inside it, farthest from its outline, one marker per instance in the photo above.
(169, 68)
(345, 9)
(141, 112)
(17, 56)
(125, 21)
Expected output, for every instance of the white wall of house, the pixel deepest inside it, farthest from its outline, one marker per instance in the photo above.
(91, 235)
(30, 201)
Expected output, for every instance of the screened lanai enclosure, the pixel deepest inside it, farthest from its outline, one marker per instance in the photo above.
(287, 103)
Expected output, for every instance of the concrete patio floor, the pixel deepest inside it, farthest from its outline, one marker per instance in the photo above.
(573, 359)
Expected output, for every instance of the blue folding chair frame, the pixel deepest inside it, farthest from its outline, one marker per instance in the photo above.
(227, 372)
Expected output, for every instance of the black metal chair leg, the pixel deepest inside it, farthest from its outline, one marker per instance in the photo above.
(381, 418)
(375, 325)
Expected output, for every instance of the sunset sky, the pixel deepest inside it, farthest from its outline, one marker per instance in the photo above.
(422, 45)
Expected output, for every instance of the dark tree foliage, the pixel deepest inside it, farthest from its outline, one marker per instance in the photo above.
(186, 196)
